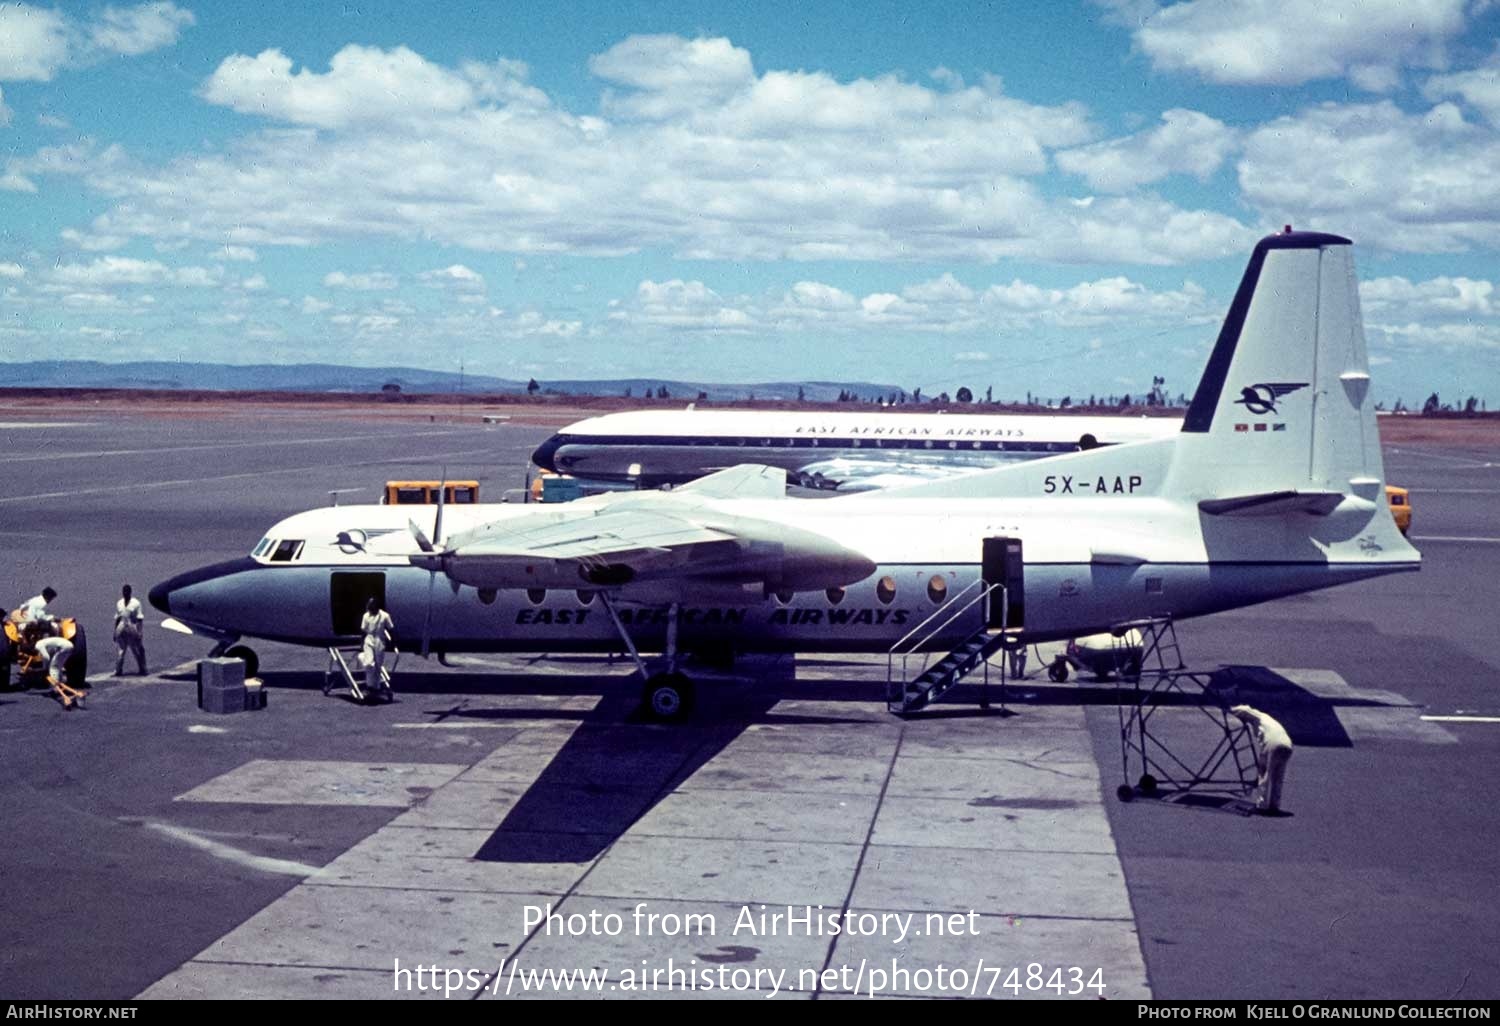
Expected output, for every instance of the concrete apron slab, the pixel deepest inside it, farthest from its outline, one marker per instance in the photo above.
(811, 860)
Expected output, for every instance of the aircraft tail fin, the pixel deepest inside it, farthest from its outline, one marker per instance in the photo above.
(1284, 402)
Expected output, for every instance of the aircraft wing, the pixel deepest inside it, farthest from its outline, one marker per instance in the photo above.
(619, 539)
(611, 536)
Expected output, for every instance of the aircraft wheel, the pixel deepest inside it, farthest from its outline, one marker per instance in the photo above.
(1058, 671)
(1148, 785)
(1125, 793)
(668, 697)
(76, 669)
(246, 655)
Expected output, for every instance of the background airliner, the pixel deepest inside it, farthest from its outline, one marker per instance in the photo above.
(839, 451)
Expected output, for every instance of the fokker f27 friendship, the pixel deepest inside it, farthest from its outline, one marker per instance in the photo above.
(1273, 486)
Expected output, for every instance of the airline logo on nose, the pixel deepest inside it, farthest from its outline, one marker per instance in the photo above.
(1261, 399)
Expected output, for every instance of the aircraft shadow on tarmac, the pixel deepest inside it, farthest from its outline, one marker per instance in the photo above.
(617, 765)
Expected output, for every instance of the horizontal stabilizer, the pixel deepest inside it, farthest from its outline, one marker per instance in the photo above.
(1270, 504)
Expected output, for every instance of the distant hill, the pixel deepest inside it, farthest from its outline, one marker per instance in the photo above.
(323, 377)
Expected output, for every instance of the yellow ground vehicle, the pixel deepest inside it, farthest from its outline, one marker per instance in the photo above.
(425, 493)
(1400, 500)
(18, 647)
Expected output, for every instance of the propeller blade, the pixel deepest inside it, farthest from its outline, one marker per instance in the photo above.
(421, 539)
(437, 522)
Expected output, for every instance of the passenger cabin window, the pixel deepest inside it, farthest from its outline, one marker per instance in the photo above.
(536, 596)
(286, 550)
(885, 590)
(835, 596)
(937, 589)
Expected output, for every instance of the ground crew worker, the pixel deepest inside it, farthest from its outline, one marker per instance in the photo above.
(34, 609)
(57, 650)
(130, 626)
(377, 627)
(1273, 748)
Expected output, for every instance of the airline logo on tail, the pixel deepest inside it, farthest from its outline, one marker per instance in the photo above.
(1261, 399)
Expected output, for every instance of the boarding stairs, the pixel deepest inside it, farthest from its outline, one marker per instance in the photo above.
(910, 688)
(343, 662)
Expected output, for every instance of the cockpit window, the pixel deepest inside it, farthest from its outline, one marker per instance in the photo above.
(286, 550)
(263, 547)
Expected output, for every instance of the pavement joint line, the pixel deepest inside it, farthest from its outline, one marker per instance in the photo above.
(224, 445)
(859, 864)
(1454, 538)
(573, 889)
(140, 485)
(286, 965)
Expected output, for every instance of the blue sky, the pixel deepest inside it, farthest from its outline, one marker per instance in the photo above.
(1055, 198)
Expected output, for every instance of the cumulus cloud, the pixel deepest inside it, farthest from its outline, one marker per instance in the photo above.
(1288, 42)
(669, 74)
(243, 254)
(111, 271)
(362, 84)
(941, 306)
(132, 31)
(36, 42)
(12, 270)
(1186, 142)
(1479, 88)
(1421, 182)
(375, 281)
(696, 154)
(1441, 297)
(33, 43)
(454, 276)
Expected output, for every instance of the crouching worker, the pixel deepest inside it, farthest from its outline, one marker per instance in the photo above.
(56, 650)
(1273, 748)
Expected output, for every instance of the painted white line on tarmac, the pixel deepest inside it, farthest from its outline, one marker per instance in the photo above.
(137, 486)
(1463, 719)
(9, 425)
(158, 450)
(229, 853)
(1453, 538)
(1463, 461)
(483, 725)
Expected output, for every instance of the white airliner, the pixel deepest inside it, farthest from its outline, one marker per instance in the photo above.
(840, 451)
(1272, 486)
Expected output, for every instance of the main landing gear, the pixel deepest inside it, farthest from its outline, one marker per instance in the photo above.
(667, 694)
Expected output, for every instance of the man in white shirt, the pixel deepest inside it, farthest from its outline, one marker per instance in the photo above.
(130, 625)
(34, 609)
(1273, 748)
(57, 650)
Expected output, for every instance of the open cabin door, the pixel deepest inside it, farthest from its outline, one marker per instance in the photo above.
(347, 595)
(1002, 564)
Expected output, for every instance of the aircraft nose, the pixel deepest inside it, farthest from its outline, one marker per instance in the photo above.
(546, 452)
(161, 597)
